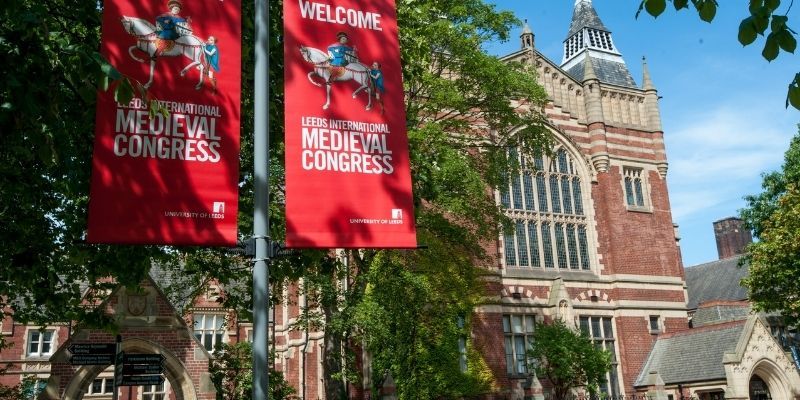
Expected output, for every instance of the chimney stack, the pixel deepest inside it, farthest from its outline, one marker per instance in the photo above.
(732, 237)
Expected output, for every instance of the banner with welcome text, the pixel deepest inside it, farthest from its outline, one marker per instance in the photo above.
(169, 177)
(348, 183)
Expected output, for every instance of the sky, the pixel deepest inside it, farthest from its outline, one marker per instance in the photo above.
(722, 107)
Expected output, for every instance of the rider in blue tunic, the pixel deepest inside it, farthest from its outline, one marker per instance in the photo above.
(169, 27)
(340, 54)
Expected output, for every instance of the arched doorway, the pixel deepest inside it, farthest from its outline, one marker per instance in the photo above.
(759, 389)
(175, 374)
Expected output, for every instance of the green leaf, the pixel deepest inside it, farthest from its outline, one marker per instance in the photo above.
(708, 10)
(641, 7)
(104, 82)
(793, 95)
(680, 4)
(786, 41)
(747, 32)
(771, 48)
(755, 5)
(772, 5)
(760, 22)
(778, 22)
(655, 7)
(123, 93)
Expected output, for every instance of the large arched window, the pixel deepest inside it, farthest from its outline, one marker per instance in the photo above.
(545, 200)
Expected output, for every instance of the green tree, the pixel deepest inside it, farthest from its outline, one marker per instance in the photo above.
(232, 374)
(460, 121)
(774, 261)
(53, 70)
(765, 18)
(761, 206)
(568, 359)
(405, 305)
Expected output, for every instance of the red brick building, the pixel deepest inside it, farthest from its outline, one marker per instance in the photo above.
(594, 242)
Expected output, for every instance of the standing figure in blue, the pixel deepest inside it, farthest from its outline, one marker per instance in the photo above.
(212, 60)
(169, 27)
(376, 76)
(340, 54)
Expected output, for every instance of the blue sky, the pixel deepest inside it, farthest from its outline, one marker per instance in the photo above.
(722, 108)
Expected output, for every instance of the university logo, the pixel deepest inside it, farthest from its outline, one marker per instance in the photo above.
(397, 213)
(219, 207)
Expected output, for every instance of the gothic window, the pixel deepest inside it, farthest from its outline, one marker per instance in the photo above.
(636, 196)
(545, 200)
(600, 330)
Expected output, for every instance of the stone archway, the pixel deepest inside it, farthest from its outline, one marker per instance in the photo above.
(768, 382)
(174, 372)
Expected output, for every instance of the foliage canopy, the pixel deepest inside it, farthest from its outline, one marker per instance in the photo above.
(763, 15)
(568, 359)
(460, 122)
(774, 260)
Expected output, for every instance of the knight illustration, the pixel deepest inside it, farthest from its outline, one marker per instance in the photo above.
(340, 54)
(170, 26)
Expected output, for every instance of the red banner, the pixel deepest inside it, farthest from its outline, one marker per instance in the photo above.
(169, 179)
(348, 183)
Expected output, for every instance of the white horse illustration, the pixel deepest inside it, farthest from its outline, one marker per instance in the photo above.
(322, 68)
(188, 46)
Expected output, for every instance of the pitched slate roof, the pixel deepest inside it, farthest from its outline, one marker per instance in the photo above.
(694, 355)
(607, 71)
(719, 313)
(716, 280)
(584, 15)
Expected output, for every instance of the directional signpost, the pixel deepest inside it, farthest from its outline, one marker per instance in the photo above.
(139, 369)
(92, 353)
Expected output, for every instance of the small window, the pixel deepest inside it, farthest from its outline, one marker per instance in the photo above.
(462, 345)
(208, 329)
(32, 387)
(154, 392)
(100, 387)
(518, 332)
(655, 324)
(40, 342)
(635, 187)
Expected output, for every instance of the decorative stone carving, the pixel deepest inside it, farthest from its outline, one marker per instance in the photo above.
(137, 304)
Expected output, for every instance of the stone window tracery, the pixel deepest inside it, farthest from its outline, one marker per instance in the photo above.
(545, 200)
(635, 187)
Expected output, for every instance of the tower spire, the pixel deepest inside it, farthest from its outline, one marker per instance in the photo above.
(527, 36)
(647, 84)
(588, 39)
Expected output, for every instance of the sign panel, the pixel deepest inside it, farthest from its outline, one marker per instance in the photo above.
(141, 380)
(142, 369)
(92, 359)
(155, 359)
(92, 348)
(169, 179)
(348, 183)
